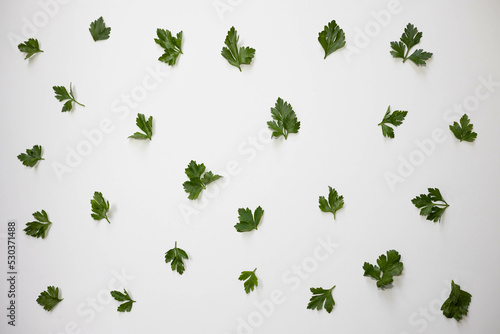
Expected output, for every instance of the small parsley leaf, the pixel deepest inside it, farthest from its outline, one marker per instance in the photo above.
(146, 126)
(321, 298)
(250, 279)
(98, 30)
(100, 207)
(334, 203)
(197, 180)
(429, 206)
(63, 95)
(457, 304)
(176, 256)
(234, 56)
(37, 228)
(285, 120)
(396, 118)
(331, 38)
(463, 131)
(49, 299)
(409, 39)
(123, 297)
(247, 221)
(32, 156)
(387, 266)
(171, 46)
(30, 47)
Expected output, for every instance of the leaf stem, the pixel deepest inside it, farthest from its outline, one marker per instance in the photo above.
(77, 102)
(406, 55)
(106, 217)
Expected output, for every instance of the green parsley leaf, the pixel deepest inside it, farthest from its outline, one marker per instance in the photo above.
(100, 207)
(285, 120)
(37, 228)
(464, 130)
(321, 298)
(146, 126)
(334, 203)
(387, 266)
(457, 304)
(98, 30)
(176, 256)
(197, 182)
(234, 56)
(123, 297)
(63, 95)
(32, 156)
(49, 299)
(250, 279)
(170, 44)
(30, 47)
(331, 38)
(428, 204)
(409, 39)
(396, 119)
(247, 221)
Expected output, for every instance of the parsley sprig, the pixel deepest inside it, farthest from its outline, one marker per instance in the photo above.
(322, 298)
(432, 205)
(409, 39)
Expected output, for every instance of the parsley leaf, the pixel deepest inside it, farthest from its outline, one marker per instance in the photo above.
(98, 30)
(334, 203)
(32, 156)
(197, 180)
(331, 38)
(389, 266)
(37, 228)
(100, 207)
(250, 279)
(234, 56)
(396, 118)
(49, 299)
(409, 39)
(170, 44)
(247, 221)
(321, 298)
(123, 297)
(457, 304)
(63, 95)
(146, 126)
(176, 255)
(30, 47)
(464, 130)
(428, 206)
(285, 120)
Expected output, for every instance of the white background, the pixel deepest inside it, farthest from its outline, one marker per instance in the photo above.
(206, 110)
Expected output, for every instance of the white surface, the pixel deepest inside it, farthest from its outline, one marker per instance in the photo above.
(207, 110)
